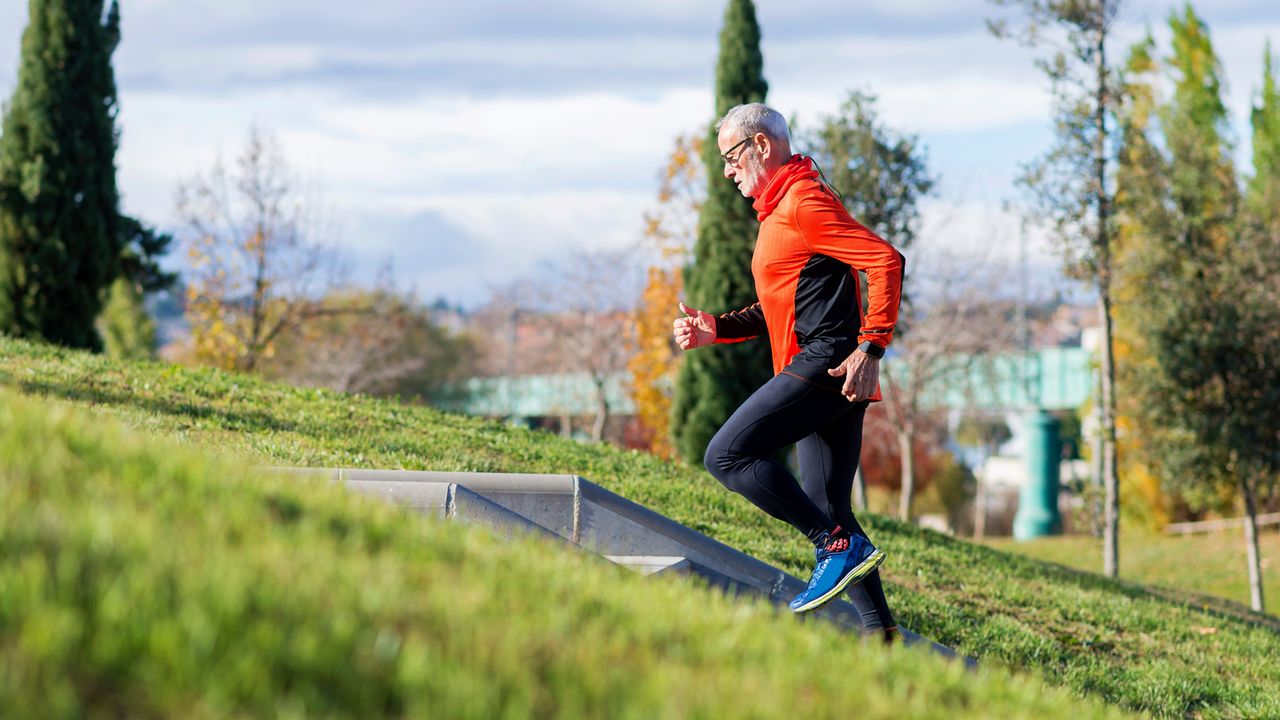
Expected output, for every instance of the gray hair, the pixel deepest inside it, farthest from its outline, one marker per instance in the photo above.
(755, 118)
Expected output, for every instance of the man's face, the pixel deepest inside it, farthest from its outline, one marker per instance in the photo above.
(742, 161)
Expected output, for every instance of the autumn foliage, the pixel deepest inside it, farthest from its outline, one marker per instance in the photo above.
(670, 230)
(257, 270)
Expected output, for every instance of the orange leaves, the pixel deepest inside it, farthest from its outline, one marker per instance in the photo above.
(256, 269)
(653, 366)
(671, 228)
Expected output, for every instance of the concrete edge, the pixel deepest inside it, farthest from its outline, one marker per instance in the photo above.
(479, 482)
(456, 495)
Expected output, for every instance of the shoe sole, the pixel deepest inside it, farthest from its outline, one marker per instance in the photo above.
(864, 568)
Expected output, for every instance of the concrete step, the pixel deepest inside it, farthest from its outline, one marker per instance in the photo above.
(586, 515)
(653, 564)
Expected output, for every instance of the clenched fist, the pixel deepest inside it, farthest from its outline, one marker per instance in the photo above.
(696, 329)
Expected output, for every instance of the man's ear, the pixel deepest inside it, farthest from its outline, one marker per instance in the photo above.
(764, 144)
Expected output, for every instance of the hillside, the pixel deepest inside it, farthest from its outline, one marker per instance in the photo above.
(1111, 641)
(146, 580)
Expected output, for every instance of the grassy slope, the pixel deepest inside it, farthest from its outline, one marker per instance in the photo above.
(143, 580)
(1212, 564)
(1114, 641)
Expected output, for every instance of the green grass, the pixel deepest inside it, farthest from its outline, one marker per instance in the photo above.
(1210, 564)
(147, 580)
(1107, 640)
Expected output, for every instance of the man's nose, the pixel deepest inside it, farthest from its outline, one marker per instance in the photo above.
(728, 171)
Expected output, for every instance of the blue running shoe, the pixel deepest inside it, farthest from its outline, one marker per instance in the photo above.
(841, 563)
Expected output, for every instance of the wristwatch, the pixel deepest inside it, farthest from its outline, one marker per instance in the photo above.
(871, 349)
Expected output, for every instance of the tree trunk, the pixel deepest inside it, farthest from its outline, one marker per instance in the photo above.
(602, 412)
(905, 438)
(1102, 257)
(1099, 472)
(980, 510)
(259, 309)
(1110, 476)
(1256, 601)
(859, 490)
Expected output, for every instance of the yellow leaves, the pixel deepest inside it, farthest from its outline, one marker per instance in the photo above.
(672, 226)
(1138, 480)
(672, 229)
(250, 254)
(680, 158)
(652, 225)
(256, 243)
(654, 364)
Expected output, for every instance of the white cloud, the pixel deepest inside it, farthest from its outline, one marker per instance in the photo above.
(528, 129)
(529, 139)
(507, 236)
(948, 105)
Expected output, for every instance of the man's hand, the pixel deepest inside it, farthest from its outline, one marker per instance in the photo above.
(695, 330)
(861, 373)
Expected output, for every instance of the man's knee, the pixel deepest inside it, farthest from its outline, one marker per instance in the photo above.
(721, 461)
(714, 459)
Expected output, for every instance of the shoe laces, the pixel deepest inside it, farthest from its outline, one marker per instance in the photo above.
(837, 544)
(836, 541)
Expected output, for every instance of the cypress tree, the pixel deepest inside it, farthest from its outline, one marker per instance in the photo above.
(59, 236)
(714, 381)
(1264, 185)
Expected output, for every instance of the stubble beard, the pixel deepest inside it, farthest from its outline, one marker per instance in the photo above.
(751, 172)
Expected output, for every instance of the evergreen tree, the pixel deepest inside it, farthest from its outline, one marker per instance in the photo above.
(59, 236)
(1142, 184)
(1206, 303)
(882, 175)
(715, 380)
(1264, 186)
(1177, 204)
(128, 332)
(141, 248)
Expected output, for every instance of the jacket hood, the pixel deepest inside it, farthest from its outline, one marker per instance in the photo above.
(799, 167)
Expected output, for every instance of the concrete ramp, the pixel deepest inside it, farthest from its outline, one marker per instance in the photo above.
(586, 515)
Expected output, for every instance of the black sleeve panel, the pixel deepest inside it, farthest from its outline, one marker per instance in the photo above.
(742, 324)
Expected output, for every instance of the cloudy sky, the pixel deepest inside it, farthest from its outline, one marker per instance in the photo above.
(472, 141)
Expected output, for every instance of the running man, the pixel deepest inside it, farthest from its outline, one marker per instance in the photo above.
(826, 355)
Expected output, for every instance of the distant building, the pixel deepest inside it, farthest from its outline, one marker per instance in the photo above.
(1066, 326)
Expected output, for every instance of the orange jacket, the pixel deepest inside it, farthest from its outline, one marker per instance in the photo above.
(804, 265)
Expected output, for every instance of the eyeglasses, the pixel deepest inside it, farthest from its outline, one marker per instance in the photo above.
(734, 162)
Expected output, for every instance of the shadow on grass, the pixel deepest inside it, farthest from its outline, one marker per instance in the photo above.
(246, 420)
(1216, 607)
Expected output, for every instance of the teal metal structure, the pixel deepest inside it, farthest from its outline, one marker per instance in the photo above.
(1051, 378)
(1038, 513)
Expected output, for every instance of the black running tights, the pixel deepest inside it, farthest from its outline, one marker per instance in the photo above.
(827, 431)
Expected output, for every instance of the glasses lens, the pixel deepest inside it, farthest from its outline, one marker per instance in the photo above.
(738, 155)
